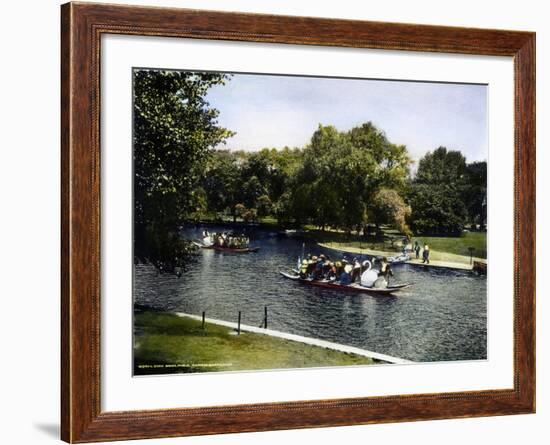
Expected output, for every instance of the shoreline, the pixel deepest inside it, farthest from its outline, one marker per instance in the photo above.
(434, 264)
(301, 339)
(171, 342)
(462, 262)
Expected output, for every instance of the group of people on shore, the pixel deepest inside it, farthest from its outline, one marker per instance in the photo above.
(346, 272)
(225, 239)
(425, 252)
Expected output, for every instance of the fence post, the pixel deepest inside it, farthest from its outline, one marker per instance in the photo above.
(265, 317)
(239, 324)
(471, 250)
(203, 316)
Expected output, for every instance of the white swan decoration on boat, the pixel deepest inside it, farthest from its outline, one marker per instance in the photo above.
(369, 276)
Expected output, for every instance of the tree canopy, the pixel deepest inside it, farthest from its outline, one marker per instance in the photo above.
(175, 129)
(446, 191)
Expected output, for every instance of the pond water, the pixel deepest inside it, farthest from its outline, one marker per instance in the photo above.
(442, 317)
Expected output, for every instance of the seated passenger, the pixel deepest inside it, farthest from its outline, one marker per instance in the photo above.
(318, 271)
(385, 269)
(303, 269)
(311, 266)
(331, 272)
(339, 269)
(345, 278)
(356, 272)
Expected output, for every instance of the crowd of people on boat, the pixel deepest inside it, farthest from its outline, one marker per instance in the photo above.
(346, 272)
(225, 239)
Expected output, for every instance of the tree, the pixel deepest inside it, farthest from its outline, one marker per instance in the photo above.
(264, 206)
(388, 207)
(341, 171)
(252, 189)
(240, 210)
(174, 130)
(221, 181)
(250, 215)
(437, 210)
(442, 166)
(437, 196)
(393, 161)
(475, 193)
(199, 204)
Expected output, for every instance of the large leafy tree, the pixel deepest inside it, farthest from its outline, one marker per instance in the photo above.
(174, 130)
(437, 197)
(340, 173)
(388, 207)
(392, 161)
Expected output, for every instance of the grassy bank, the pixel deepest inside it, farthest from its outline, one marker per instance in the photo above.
(459, 245)
(165, 343)
(446, 249)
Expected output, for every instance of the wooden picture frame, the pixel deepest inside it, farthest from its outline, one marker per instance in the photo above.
(82, 26)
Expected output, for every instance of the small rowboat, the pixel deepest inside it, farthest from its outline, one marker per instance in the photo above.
(351, 287)
(227, 249)
(398, 259)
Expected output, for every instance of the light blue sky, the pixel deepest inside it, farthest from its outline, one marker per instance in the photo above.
(278, 111)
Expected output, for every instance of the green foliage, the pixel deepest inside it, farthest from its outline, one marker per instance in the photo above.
(328, 183)
(174, 130)
(475, 193)
(221, 181)
(437, 210)
(388, 207)
(437, 196)
(264, 206)
(340, 173)
(252, 189)
(254, 179)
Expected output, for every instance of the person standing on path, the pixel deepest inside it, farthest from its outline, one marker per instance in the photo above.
(426, 254)
(417, 249)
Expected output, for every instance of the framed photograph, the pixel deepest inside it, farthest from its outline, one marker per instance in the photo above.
(274, 222)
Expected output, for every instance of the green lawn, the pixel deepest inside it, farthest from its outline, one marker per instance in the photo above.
(458, 246)
(166, 343)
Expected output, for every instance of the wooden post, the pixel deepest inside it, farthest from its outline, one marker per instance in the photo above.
(265, 317)
(471, 249)
(203, 315)
(239, 324)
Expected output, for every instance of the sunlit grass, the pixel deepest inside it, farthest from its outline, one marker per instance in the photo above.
(163, 341)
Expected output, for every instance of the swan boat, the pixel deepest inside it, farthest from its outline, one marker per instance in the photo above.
(226, 249)
(355, 287)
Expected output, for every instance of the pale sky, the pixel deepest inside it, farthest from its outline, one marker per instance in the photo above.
(277, 111)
